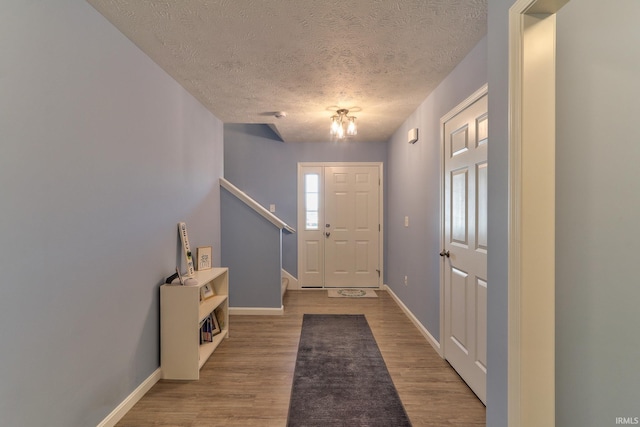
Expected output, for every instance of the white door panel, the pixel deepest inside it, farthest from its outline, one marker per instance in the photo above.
(465, 242)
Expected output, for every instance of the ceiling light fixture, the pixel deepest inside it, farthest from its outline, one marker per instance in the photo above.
(343, 125)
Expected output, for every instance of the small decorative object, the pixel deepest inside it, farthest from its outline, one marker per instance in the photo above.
(182, 229)
(204, 258)
(206, 292)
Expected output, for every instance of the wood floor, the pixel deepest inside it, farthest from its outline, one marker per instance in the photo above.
(247, 381)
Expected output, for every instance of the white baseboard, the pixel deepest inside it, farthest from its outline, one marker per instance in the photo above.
(292, 281)
(256, 311)
(434, 343)
(124, 407)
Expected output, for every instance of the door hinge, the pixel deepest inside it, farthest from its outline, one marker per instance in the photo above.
(379, 229)
(378, 270)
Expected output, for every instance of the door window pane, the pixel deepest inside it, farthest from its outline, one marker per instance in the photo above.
(311, 205)
(312, 202)
(312, 220)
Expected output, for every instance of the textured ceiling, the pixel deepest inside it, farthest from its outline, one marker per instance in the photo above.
(246, 59)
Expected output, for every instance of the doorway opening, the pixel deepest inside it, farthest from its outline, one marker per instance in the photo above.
(531, 268)
(340, 225)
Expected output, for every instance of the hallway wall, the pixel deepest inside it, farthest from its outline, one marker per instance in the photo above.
(101, 155)
(598, 201)
(413, 190)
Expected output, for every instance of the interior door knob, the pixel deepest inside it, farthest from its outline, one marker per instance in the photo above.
(327, 234)
(443, 253)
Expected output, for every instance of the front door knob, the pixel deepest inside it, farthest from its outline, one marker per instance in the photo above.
(443, 253)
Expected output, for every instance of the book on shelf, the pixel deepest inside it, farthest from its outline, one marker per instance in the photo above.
(205, 331)
(209, 327)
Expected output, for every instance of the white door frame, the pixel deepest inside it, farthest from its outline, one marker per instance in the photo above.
(531, 264)
(300, 206)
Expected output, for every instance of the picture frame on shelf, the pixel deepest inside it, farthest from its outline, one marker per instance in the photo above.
(204, 258)
(206, 292)
(219, 314)
(216, 329)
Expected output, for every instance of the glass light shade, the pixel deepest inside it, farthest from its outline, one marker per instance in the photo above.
(335, 125)
(351, 128)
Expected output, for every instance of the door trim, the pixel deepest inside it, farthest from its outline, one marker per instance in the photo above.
(299, 203)
(444, 119)
(531, 241)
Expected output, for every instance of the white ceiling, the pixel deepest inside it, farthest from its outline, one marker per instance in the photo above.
(246, 59)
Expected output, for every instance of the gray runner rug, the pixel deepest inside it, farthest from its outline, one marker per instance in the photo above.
(340, 377)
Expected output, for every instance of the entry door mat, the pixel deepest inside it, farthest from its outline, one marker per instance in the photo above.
(340, 378)
(352, 293)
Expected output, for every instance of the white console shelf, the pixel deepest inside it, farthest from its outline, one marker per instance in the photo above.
(181, 312)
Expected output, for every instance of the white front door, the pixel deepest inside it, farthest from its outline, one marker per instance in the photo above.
(339, 226)
(465, 243)
(352, 226)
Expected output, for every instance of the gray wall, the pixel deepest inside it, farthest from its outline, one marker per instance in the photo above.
(265, 168)
(251, 249)
(101, 155)
(597, 342)
(598, 201)
(497, 259)
(413, 190)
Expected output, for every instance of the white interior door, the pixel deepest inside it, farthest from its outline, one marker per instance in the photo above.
(339, 223)
(465, 243)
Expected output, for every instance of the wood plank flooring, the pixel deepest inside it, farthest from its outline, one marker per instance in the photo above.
(247, 381)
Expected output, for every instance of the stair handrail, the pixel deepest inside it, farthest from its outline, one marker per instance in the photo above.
(249, 201)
